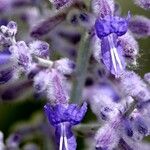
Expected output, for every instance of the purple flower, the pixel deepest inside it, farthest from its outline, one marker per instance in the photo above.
(131, 84)
(140, 26)
(7, 34)
(57, 88)
(128, 127)
(107, 137)
(61, 3)
(53, 84)
(130, 46)
(40, 49)
(63, 117)
(21, 55)
(143, 4)
(108, 29)
(103, 7)
(10, 29)
(47, 25)
(104, 102)
(141, 125)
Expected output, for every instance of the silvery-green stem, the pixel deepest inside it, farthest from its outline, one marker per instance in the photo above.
(81, 69)
(43, 62)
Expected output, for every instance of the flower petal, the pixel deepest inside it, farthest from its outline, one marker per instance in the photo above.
(108, 59)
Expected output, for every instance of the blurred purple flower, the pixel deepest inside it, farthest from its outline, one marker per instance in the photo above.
(61, 3)
(147, 77)
(130, 46)
(131, 84)
(6, 69)
(143, 4)
(140, 26)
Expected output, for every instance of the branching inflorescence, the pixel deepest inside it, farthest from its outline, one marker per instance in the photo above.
(101, 77)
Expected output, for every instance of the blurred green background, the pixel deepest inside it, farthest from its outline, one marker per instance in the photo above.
(22, 111)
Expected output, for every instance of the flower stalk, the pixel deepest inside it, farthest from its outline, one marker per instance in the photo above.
(82, 64)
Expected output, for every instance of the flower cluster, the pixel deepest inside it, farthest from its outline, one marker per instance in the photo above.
(101, 77)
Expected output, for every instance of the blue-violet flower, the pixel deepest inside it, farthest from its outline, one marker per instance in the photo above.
(108, 29)
(63, 117)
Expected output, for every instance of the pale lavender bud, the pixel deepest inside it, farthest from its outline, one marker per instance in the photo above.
(39, 48)
(9, 30)
(56, 91)
(107, 137)
(12, 27)
(64, 66)
(129, 44)
(3, 29)
(102, 104)
(140, 26)
(103, 7)
(126, 143)
(143, 3)
(21, 54)
(147, 77)
(132, 85)
(140, 126)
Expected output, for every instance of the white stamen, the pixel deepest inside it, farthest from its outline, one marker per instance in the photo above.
(65, 139)
(113, 59)
(114, 54)
(61, 138)
(43, 62)
(117, 58)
